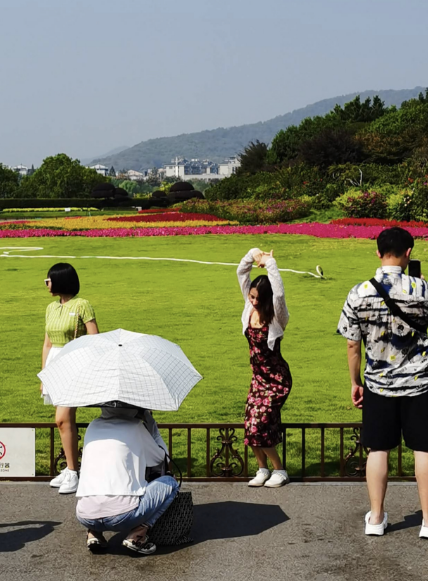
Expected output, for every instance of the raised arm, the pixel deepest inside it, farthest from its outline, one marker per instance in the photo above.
(244, 269)
(279, 304)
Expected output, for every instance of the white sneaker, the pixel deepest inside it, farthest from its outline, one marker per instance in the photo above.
(260, 478)
(278, 478)
(58, 480)
(424, 531)
(70, 483)
(377, 530)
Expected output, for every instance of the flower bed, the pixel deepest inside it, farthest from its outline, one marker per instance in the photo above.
(172, 217)
(378, 222)
(104, 222)
(252, 212)
(311, 229)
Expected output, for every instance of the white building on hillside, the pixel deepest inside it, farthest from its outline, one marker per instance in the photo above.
(101, 169)
(181, 167)
(228, 167)
(21, 169)
(135, 176)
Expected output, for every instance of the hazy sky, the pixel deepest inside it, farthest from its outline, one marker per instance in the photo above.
(85, 76)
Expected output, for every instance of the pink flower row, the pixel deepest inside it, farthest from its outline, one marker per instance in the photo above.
(310, 229)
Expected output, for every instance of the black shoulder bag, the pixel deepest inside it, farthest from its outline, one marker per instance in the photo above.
(395, 309)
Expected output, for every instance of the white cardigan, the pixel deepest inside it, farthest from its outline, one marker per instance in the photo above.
(280, 320)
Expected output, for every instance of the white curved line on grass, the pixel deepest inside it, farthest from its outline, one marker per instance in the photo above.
(8, 255)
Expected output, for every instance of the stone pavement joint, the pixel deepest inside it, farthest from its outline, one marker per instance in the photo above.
(300, 533)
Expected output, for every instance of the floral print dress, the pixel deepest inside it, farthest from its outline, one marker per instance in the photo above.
(270, 386)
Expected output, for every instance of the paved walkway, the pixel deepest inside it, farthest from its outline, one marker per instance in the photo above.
(300, 532)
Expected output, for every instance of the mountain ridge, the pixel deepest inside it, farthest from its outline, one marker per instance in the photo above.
(217, 144)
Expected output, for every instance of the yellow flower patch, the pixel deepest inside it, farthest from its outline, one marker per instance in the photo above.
(102, 222)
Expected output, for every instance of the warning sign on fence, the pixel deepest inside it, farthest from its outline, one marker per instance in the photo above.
(17, 452)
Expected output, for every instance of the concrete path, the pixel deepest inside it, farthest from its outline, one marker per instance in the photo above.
(300, 532)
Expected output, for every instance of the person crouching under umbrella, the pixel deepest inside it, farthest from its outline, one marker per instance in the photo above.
(113, 494)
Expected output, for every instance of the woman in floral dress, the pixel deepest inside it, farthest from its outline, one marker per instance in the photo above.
(264, 319)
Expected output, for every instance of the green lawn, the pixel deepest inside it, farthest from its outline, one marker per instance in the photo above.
(197, 306)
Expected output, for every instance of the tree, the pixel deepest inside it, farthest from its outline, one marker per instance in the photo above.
(330, 147)
(286, 144)
(357, 112)
(112, 173)
(395, 136)
(153, 178)
(171, 179)
(60, 176)
(130, 186)
(253, 158)
(9, 182)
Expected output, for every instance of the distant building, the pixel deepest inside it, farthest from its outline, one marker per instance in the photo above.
(181, 167)
(101, 169)
(228, 167)
(135, 176)
(22, 170)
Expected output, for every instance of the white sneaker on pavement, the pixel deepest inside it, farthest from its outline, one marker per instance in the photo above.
(376, 530)
(260, 478)
(278, 478)
(423, 534)
(70, 483)
(58, 480)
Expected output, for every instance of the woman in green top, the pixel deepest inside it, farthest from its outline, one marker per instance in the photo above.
(66, 319)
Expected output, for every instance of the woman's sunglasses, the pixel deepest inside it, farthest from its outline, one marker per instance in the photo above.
(47, 281)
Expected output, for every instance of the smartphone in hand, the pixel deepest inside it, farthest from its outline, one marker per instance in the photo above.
(415, 268)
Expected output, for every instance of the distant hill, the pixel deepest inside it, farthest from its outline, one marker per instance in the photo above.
(87, 160)
(217, 144)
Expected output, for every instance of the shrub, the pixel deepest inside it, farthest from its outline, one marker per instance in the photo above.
(359, 204)
(419, 200)
(252, 212)
(175, 197)
(104, 190)
(65, 203)
(282, 184)
(181, 187)
(400, 205)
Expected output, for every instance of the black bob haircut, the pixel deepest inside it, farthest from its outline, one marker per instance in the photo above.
(64, 279)
(394, 241)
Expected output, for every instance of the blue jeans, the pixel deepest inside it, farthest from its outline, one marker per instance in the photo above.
(158, 496)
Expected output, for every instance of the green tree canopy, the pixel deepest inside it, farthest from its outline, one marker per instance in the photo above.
(60, 176)
(353, 117)
(253, 158)
(9, 181)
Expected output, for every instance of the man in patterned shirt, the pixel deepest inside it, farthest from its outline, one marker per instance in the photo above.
(394, 396)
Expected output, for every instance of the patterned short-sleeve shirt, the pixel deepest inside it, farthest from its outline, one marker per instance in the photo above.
(61, 320)
(396, 355)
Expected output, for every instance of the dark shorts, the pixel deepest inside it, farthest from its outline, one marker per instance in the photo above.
(386, 418)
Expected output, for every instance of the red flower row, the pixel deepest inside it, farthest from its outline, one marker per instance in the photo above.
(378, 222)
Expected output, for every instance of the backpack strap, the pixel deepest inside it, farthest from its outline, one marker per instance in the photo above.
(395, 309)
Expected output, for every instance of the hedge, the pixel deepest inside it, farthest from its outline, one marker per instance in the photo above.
(72, 203)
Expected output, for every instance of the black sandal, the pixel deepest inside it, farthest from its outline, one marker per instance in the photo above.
(96, 542)
(140, 544)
